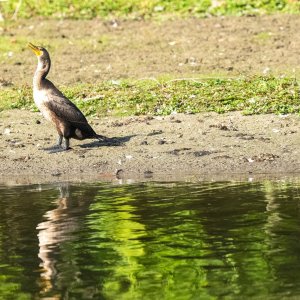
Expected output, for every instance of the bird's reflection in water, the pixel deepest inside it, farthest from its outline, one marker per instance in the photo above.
(59, 227)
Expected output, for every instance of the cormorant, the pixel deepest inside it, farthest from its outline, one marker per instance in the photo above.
(56, 108)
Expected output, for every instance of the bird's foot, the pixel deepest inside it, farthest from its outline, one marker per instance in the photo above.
(54, 147)
(60, 149)
(57, 148)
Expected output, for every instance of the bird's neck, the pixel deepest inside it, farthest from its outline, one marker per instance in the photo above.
(40, 74)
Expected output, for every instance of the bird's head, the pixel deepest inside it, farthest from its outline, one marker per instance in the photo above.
(41, 53)
(43, 57)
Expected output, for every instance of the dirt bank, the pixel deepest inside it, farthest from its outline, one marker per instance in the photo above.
(91, 51)
(144, 147)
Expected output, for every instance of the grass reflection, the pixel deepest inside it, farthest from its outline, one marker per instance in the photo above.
(150, 241)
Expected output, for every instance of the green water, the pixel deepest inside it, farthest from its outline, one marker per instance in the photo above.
(150, 241)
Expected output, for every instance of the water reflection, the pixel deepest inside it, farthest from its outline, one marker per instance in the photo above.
(57, 228)
(56, 233)
(150, 241)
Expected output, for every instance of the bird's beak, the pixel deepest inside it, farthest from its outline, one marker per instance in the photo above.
(35, 49)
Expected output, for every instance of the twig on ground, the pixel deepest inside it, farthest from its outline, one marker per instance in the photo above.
(15, 15)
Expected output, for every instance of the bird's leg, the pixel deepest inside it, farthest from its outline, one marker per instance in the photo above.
(67, 144)
(59, 140)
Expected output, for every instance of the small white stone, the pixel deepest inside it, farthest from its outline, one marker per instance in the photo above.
(6, 131)
(159, 8)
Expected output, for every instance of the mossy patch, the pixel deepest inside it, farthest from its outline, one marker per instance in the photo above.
(253, 95)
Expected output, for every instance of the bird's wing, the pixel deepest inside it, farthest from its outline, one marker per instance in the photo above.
(66, 110)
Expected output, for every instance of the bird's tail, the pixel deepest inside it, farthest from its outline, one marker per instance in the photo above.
(101, 138)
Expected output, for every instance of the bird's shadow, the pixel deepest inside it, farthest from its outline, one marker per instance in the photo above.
(113, 141)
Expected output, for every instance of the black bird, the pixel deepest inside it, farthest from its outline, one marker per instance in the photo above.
(56, 108)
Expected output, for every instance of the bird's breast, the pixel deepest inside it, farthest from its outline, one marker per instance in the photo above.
(41, 99)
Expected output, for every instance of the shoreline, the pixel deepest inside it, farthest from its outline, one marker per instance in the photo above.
(30, 179)
(201, 147)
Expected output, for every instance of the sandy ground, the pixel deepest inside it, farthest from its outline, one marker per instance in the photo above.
(174, 147)
(178, 146)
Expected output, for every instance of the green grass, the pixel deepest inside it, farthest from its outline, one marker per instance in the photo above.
(88, 9)
(255, 95)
